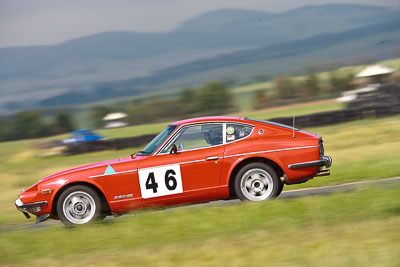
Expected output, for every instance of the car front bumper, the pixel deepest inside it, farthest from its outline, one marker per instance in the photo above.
(26, 208)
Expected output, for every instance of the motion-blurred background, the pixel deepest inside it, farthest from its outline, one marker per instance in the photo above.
(154, 61)
(127, 68)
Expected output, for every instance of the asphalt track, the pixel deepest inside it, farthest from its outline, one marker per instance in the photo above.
(324, 190)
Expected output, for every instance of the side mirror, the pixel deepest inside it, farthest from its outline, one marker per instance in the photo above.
(174, 150)
(180, 147)
(133, 155)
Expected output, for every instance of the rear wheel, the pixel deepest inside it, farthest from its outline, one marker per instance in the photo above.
(257, 182)
(79, 205)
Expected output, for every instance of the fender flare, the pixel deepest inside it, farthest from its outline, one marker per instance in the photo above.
(243, 160)
(68, 184)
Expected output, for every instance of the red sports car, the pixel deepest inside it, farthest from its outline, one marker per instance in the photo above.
(190, 161)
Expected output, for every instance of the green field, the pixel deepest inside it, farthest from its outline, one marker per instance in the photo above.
(367, 149)
(344, 229)
(289, 111)
(269, 113)
(351, 228)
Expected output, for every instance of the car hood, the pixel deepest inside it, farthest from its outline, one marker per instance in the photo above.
(89, 166)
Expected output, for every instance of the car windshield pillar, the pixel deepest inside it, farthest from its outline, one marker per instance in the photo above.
(157, 141)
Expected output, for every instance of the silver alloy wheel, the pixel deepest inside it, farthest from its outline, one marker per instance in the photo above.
(256, 185)
(79, 207)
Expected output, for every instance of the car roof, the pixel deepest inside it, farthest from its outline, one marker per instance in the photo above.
(209, 119)
(82, 131)
(233, 119)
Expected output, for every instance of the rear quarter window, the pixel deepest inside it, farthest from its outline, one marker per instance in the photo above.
(237, 131)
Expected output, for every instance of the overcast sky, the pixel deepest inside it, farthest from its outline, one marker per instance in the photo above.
(33, 22)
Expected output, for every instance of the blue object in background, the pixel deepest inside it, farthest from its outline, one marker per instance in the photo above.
(82, 135)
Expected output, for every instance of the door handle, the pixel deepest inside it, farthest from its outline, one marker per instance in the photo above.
(212, 158)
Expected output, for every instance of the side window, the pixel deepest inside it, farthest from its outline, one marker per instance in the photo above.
(197, 136)
(237, 131)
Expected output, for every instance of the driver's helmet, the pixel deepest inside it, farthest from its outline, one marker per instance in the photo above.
(212, 133)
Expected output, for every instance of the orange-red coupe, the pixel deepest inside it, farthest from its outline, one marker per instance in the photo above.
(190, 161)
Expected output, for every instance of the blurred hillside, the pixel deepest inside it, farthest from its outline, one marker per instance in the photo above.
(117, 64)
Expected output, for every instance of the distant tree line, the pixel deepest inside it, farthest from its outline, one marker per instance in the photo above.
(213, 98)
(289, 90)
(33, 124)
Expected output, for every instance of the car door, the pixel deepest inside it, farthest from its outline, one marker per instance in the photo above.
(191, 174)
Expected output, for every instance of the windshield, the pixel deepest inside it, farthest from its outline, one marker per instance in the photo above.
(157, 141)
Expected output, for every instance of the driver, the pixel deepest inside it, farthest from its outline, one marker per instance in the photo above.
(212, 134)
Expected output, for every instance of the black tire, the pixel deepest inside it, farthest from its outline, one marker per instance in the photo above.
(257, 182)
(280, 188)
(78, 205)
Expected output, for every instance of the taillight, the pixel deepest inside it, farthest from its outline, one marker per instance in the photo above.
(321, 147)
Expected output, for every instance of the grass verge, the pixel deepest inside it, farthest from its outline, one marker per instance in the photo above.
(356, 228)
(361, 150)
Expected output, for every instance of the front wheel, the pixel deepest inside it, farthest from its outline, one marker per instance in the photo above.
(257, 182)
(79, 205)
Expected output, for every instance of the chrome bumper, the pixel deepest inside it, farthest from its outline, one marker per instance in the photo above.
(323, 161)
(24, 207)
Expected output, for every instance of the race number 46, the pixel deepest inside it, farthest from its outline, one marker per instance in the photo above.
(160, 181)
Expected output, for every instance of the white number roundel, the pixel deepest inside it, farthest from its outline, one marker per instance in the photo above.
(160, 181)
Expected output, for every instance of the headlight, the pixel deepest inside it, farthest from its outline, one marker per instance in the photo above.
(34, 209)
